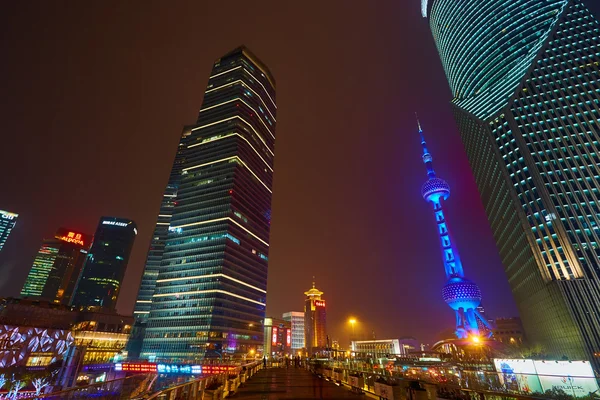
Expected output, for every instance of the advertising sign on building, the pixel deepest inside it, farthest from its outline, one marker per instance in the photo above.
(576, 378)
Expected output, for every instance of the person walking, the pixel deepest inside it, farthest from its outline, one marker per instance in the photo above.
(265, 362)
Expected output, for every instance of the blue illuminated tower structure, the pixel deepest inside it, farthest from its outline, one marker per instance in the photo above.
(462, 295)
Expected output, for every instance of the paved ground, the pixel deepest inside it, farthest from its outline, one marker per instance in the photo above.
(291, 383)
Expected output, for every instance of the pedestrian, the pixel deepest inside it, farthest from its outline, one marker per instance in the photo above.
(265, 362)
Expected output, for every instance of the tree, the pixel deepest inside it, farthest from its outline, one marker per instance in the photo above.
(39, 384)
(16, 385)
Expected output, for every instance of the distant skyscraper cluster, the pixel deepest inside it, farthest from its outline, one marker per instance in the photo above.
(73, 269)
(525, 80)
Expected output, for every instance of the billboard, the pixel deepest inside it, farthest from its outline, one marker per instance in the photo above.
(518, 375)
(576, 378)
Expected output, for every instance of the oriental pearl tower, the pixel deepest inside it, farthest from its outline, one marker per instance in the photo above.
(461, 294)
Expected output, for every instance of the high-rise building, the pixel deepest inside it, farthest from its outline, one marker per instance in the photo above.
(104, 269)
(461, 294)
(526, 99)
(155, 252)
(315, 321)
(210, 291)
(8, 221)
(296, 320)
(57, 266)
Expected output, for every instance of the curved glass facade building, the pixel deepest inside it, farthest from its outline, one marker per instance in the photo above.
(525, 75)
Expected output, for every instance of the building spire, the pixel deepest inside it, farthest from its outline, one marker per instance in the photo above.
(427, 159)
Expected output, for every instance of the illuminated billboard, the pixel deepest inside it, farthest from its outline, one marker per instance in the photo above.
(576, 378)
(136, 367)
(319, 303)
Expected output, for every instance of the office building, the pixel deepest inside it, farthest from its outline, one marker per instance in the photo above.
(210, 291)
(57, 266)
(8, 221)
(155, 251)
(315, 321)
(296, 320)
(526, 100)
(277, 338)
(104, 269)
(509, 331)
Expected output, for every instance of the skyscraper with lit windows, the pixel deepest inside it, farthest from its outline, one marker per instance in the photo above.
(57, 266)
(8, 221)
(210, 291)
(526, 99)
(100, 281)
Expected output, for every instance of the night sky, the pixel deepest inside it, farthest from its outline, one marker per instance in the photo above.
(94, 96)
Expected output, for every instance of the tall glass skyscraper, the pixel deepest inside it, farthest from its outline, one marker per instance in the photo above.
(526, 83)
(8, 221)
(57, 266)
(100, 280)
(207, 298)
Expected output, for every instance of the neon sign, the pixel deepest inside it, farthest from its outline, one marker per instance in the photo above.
(135, 367)
(7, 215)
(122, 224)
(319, 303)
(215, 369)
(274, 335)
(185, 369)
(71, 237)
(289, 338)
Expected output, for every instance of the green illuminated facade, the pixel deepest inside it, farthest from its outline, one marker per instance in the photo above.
(42, 266)
(527, 98)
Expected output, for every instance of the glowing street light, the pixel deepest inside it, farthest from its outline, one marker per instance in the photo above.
(352, 322)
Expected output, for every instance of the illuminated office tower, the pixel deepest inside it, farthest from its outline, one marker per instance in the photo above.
(100, 280)
(315, 321)
(210, 291)
(526, 99)
(7, 222)
(57, 266)
(296, 320)
(155, 252)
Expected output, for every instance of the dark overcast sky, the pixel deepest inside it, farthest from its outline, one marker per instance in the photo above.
(94, 96)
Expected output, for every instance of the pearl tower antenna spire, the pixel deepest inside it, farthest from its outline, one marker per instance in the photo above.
(462, 295)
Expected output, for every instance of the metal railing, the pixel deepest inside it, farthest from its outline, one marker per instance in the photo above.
(448, 382)
(131, 387)
(210, 387)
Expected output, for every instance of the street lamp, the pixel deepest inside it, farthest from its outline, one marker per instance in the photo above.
(352, 322)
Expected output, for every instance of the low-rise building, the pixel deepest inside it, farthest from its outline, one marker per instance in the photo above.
(377, 348)
(278, 337)
(37, 333)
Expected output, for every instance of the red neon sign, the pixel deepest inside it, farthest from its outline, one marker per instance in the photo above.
(136, 367)
(289, 338)
(274, 335)
(72, 237)
(319, 303)
(216, 369)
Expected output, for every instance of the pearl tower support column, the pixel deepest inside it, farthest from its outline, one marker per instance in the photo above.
(462, 295)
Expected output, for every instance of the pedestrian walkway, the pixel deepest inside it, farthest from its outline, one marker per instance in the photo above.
(291, 383)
